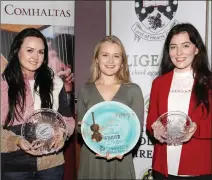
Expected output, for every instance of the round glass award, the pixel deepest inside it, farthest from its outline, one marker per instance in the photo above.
(110, 127)
(177, 125)
(43, 128)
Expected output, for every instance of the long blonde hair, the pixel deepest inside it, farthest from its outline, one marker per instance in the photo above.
(123, 75)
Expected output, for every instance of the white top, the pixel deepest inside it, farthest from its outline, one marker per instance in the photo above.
(58, 84)
(178, 100)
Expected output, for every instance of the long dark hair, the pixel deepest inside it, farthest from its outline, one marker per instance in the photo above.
(15, 79)
(200, 64)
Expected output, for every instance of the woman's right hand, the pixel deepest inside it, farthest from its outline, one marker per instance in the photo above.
(27, 147)
(159, 131)
(23, 144)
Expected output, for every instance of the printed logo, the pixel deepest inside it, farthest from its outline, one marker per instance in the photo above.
(146, 103)
(146, 175)
(44, 131)
(156, 18)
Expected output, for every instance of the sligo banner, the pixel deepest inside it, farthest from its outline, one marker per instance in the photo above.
(143, 26)
(55, 19)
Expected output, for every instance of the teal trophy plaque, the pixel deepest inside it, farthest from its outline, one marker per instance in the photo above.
(110, 127)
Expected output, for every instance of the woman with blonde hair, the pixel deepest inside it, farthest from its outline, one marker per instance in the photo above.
(110, 81)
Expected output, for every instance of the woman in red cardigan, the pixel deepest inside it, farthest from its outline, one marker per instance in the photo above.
(184, 84)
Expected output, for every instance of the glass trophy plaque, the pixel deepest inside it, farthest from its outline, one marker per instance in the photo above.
(43, 128)
(176, 124)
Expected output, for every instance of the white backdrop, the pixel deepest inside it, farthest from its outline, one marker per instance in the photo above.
(143, 39)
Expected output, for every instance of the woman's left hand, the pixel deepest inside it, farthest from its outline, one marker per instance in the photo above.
(66, 75)
(68, 78)
(190, 132)
(58, 140)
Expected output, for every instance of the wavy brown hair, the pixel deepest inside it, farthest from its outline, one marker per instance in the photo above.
(200, 64)
(14, 77)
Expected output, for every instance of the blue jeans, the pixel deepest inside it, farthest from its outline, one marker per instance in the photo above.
(55, 173)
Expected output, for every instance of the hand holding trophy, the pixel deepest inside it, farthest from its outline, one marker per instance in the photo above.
(173, 128)
(45, 131)
(159, 131)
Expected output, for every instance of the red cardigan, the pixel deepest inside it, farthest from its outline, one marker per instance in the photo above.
(196, 155)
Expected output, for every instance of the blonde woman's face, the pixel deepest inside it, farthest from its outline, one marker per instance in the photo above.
(109, 58)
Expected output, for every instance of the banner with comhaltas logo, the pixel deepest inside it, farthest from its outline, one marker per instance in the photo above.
(55, 19)
(38, 12)
(143, 26)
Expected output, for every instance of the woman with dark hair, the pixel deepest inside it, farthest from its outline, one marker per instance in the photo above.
(28, 84)
(184, 84)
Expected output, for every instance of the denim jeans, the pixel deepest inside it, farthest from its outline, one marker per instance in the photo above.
(55, 173)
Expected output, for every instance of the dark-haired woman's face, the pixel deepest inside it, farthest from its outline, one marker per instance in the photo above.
(182, 51)
(31, 55)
